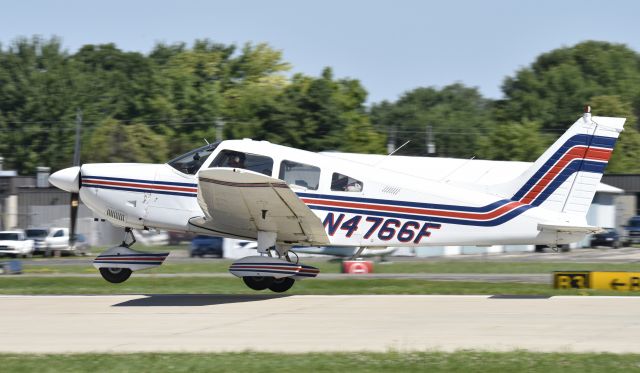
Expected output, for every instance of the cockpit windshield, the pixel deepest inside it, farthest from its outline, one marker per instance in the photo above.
(191, 162)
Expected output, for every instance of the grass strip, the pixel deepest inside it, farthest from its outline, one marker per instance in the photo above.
(460, 361)
(199, 285)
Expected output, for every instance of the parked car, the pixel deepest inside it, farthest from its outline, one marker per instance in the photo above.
(176, 238)
(609, 237)
(82, 245)
(206, 245)
(152, 237)
(15, 243)
(38, 236)
(632, 231)
(58, 241)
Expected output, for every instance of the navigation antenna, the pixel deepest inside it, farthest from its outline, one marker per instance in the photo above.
(392, 153)
(447, 176)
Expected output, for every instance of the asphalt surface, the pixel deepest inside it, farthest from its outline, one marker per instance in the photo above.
(533, 278)
(217, 323)
(597, 255)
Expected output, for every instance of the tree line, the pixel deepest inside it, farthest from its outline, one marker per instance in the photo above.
(150, 107)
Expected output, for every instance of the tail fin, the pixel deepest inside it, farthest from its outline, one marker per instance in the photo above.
(566, 176)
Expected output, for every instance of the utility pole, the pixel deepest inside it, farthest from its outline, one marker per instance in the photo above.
(391, 141)
(431, 145)
(76, 152)
(219, 127)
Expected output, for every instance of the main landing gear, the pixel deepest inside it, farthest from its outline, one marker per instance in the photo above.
(280, 285)
(118, 263)
(115, 275)
(277, 274)
(277, 285)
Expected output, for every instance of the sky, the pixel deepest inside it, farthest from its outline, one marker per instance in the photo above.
(390, 46)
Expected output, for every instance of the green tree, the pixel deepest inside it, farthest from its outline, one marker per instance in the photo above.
(113, 83)
(310, 113)
(360, 137)
(207, 83)
(626, 153)
(559, 83)
(113, 141)
(37, 98)
(458, 115)
(513, 142)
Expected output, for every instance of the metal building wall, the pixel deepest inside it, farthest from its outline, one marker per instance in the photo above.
(49, 207)
(28, 197)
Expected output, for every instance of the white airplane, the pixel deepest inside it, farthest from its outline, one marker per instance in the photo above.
(283, 197)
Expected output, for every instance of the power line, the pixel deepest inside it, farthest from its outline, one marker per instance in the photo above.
(213, 123)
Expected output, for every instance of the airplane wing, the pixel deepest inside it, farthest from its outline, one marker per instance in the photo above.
(239, 203)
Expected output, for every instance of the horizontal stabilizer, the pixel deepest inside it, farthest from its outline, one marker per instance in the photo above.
(569, 228)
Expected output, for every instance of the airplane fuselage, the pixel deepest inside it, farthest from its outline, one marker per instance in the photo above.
(375, 207)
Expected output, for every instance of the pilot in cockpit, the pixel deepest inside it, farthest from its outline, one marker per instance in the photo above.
(236, 160)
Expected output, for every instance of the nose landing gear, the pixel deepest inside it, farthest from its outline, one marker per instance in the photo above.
(117, 263)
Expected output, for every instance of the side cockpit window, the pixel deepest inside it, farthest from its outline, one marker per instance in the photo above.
(191, 162)
(344, 183)
(247, 161)
(300, 174)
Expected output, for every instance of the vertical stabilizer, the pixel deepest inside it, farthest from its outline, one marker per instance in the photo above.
(566, 176)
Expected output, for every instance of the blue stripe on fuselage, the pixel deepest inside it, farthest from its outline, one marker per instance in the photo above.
(88, 185)
(438, 219)
(141, 181)
(577, 140)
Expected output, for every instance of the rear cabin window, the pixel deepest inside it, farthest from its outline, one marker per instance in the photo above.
(247, 161)
(344, 183)
(300, 174)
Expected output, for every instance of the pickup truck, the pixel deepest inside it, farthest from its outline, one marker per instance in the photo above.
(15, 243)
(632, 231)
(38, 236)
(58, 242)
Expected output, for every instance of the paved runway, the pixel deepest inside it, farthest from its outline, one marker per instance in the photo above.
(128, 323)
(533, 278)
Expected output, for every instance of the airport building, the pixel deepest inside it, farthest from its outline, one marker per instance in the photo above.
(31, 202)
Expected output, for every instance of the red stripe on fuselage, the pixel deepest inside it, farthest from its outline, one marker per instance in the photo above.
(578, 152)
(420, 211)
(140, 185)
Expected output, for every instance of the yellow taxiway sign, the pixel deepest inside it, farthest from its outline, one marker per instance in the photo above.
(618, 281)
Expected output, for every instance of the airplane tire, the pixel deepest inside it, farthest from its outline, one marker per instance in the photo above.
(258, 282)
(280, 285)
(115, 275)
